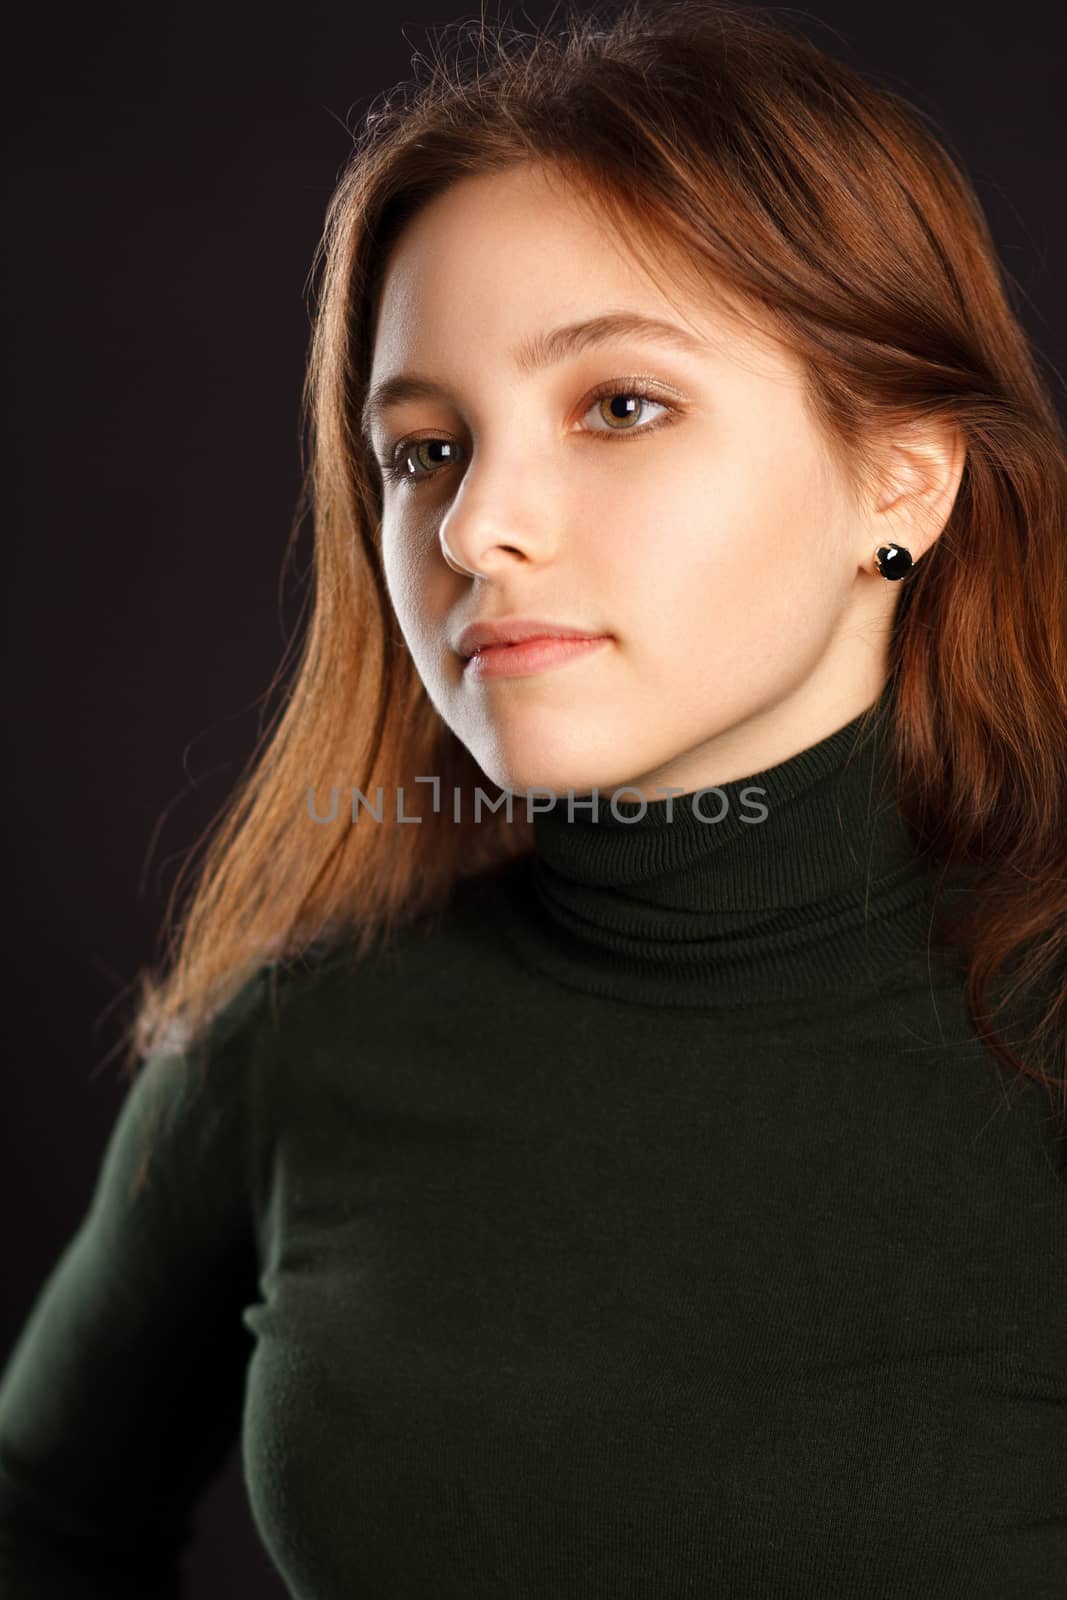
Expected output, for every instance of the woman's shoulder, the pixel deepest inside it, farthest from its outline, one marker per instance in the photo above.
(358, 973)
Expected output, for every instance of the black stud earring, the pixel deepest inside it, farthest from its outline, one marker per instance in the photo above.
(893, 561)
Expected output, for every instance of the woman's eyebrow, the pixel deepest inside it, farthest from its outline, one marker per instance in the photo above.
(535, 353)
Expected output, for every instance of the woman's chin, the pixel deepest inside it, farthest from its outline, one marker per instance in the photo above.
(556, 777)
(541, 749)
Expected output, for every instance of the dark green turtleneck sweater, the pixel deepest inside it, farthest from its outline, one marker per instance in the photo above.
(653, 1224)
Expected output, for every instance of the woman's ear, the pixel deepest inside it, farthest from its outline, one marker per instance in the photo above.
(923, 467)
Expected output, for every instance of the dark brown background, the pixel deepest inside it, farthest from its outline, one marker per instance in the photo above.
(167, 172)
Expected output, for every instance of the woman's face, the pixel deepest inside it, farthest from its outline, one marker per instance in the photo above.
(703, 529)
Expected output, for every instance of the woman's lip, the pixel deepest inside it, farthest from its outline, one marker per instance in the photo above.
(529, 656)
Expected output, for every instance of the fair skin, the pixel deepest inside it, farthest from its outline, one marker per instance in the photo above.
(718, 546)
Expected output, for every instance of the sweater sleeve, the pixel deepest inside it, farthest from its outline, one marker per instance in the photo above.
(123, 1394)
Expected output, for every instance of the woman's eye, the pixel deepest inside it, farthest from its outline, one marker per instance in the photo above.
(403, 464)
(621, 409)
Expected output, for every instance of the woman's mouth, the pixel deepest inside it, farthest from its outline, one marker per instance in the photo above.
(529, 656)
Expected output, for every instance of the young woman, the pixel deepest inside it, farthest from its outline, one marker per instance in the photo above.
(575, 1149)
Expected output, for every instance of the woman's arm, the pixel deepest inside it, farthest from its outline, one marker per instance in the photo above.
(123, 1395)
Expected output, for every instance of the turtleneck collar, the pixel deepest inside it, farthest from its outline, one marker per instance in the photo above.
(799, 880)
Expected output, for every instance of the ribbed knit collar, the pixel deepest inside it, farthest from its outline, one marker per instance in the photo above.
(808, 883)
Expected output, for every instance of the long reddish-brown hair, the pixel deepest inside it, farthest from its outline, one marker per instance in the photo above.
(827, 206)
